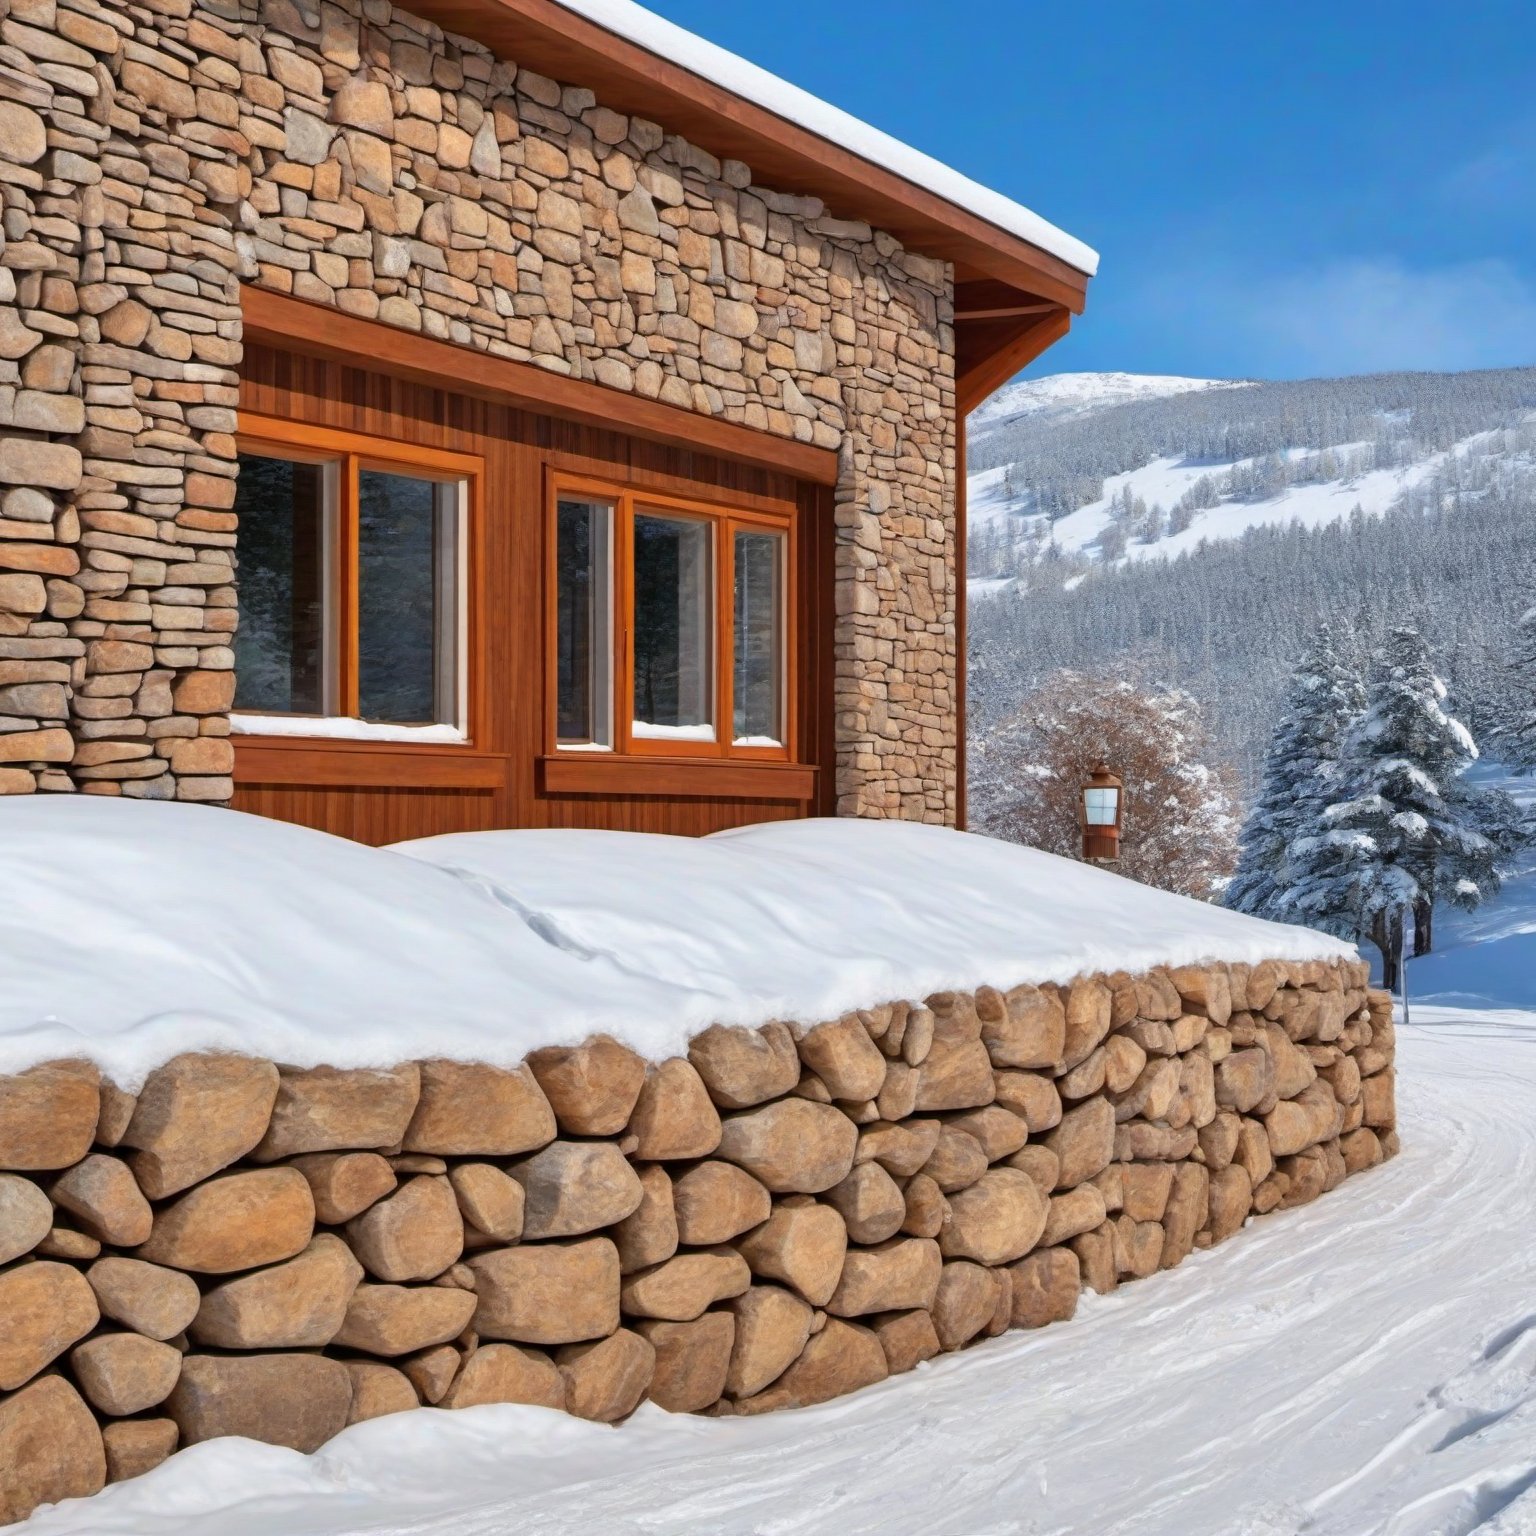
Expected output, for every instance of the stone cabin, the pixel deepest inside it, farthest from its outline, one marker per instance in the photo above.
(492, 413)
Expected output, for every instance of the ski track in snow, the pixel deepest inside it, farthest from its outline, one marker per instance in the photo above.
(1364, 1366)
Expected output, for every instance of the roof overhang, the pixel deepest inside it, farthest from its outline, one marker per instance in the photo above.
(1007, 288)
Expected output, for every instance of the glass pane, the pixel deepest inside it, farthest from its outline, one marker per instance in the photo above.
(280, 644)
(406, 657)
(674, 667)
(758, 677)
(1099, 806)
(582, 644)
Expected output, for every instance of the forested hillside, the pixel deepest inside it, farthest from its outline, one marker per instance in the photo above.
(1366, 501)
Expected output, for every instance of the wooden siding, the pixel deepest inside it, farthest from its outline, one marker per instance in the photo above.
(509, 704)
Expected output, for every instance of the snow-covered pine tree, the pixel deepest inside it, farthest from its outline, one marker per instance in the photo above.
(1403, 833)
(1300, 778)
(1517, 738)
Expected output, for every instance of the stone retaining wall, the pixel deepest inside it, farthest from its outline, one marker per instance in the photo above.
(786, 1214)
(155, 156)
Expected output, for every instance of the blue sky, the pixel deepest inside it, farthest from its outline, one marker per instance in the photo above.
(1277, 191)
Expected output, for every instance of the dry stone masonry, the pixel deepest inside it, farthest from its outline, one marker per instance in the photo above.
(156, 155)
(783, 1215)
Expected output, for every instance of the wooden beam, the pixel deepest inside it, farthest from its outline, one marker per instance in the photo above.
(544, 36)
(277, 320)
(1007, 312)
(985, 362)
(962, 532)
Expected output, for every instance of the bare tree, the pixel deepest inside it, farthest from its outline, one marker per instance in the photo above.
(1180, 820)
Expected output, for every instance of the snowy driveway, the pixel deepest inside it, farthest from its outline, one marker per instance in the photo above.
(1364, 1365)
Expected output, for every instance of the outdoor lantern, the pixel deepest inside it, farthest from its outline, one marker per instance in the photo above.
(1103, 803)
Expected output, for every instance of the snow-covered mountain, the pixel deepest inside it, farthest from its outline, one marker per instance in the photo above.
(1201, 532)
(1078, 394)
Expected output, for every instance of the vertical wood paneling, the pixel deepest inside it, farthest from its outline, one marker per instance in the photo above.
(514, 445)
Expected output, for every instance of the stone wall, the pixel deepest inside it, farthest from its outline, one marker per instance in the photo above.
(155, 155)
(784, 1215)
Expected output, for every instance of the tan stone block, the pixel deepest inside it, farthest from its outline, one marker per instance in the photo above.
(47, 1306)
(844, 1057)
(377, 1390)
(1031, 1096)
(26, 1216)
(1219, 1139)
(841, 1358)
(204, 693)
(907, 1338)
(743, 1067)
(649, 1233)
(432, 1372)
(1078, 1210)
(606, 1380)
(772, 1327)
(1089, 1011)
(50, 1447)
(997, 1220)
(871, 1203)
(1187, 1212)
(123, 1373)
(548, 1293)
(300, 1304)
(958, 1160)
(1084, 1142)
(503, 1373)
(236, 1221)
(395, 1320)
(489, 1200)
(102, 1195)
(674, 1116)
(1231, 1198)
(196, 1115)
(963, 1304)
(957, 1074)
(136, 1446)
(1029, 1030)
(792, 1145)
(295, 1400)
(345, 1183)
(714, 1202)
(802, 1245)
(592, 1088)
(692, 1360)
(1096, 1257)
(48, 1114)
(575, 1187)
(900, 1147)
(891, 1276)
(473, 1110)
(1045, 1287)
(1378, 1094)
(413, 1234)
(148, 1298)
(1205, 989)
(681, 1288)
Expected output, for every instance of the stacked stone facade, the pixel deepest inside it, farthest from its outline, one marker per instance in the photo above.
(781, 1216)
(155, 156)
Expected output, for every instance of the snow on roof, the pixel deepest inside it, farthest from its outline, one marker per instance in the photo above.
(134, 930)
(669, 41)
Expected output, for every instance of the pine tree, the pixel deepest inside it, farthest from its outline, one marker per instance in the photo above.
(1518, 736)
(1300, 778)
(1404, 832)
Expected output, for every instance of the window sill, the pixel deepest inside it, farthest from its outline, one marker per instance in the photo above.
(299, 760)
(592, 773)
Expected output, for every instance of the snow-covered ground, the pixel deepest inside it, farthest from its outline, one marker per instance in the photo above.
(138, 940)
(1486, 958)
(1365, 1366)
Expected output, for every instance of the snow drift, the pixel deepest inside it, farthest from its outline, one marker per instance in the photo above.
(135, 931)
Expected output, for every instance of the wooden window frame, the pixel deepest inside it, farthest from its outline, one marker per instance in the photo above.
(570, 764)
(353, 452)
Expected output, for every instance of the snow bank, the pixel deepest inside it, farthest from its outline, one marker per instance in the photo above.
(669, 41)
(133, 931)
(1362, 1364)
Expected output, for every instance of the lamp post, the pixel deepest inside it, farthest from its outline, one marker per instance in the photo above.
(1102, 807)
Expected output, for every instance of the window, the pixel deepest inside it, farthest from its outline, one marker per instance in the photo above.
(670, 626)
(350, 582)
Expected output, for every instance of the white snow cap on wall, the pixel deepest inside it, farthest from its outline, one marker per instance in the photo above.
(131, 931)
(669, 41)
